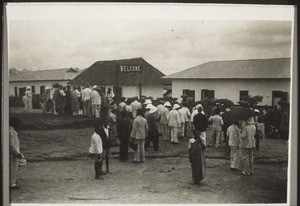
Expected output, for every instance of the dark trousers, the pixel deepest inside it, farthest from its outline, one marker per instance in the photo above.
(123, 149)
(154, 138)
(257, 139)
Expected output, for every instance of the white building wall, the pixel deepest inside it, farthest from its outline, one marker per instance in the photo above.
(37, 85)
(230, 89)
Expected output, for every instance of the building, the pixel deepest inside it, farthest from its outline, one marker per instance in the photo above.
(136, 77)
(38, 80)
(236, 79)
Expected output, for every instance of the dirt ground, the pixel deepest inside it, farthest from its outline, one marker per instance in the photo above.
(58, 170)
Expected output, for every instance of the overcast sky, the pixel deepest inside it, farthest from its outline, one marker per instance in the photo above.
(170, 37)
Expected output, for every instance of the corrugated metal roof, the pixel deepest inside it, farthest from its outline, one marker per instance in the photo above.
(104, 73)
(42, 75)
(238, 69)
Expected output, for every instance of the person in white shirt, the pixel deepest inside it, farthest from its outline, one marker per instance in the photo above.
(185, 115)
(86, 99)
(174, 123)
(96, 150)
(217, 123)
(135, 105)
(95, 102)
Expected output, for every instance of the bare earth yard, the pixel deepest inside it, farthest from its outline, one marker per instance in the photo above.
(59, 171)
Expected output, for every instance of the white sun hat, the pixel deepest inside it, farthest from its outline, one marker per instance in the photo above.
(149, 106)
(28, 87)
(167, 104)
(176, 106)
(95, 86)
(198, 106)
(153, 109)
(148, 101)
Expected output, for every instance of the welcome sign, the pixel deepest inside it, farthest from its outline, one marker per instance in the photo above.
(130, 68)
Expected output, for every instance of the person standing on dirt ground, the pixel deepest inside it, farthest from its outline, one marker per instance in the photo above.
(139, 133)
(124, 129)
(224, 129)
(247, 145)
(104, 135)
(27, 100)
(233, 134)
(196, 157)
(96, 151)
(174, 123)
(200, 124)
(14, 151)
(86, 99)
(217, 123)
(185, 115)
(164, 120)
(153, 135)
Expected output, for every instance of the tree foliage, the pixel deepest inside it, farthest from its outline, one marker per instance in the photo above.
(251, 101)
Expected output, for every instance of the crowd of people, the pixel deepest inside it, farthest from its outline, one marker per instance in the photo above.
(136, 123)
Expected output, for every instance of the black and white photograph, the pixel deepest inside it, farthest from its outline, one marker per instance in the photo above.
(149, 103)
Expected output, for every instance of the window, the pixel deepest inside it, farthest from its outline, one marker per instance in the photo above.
(209, 94)
(244, 94)
(33, 89)
(42, 89)
(16, 91)
(22, 91)
(188, 93)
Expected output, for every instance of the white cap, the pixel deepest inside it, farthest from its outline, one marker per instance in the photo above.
(148, 101)
(167, 104)
(257, 111)
(95, 86)
(47, 88)
(28, 87)
(176, 106)
(149, 106)
(153, 109)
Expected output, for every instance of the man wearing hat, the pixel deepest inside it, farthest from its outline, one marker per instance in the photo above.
(185, 118)
(27, 100)
(164, 120)
(153, 135)
(147, 109)
(96, 102)
(174, 123)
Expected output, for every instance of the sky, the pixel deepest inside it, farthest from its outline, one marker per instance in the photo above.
(171, 37)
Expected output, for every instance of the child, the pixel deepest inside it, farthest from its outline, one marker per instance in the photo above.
(96, 152)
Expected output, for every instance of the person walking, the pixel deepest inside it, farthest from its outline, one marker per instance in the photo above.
(164, 120)
(233, 134)
(217, 123)
(247, 145)
(86, 99)
(139, 133)
(185, 115)
(124, 128)
(153, 135)
(174, 123)
(96, 151)
(74, 101)
(14, 152)
(95, 102)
